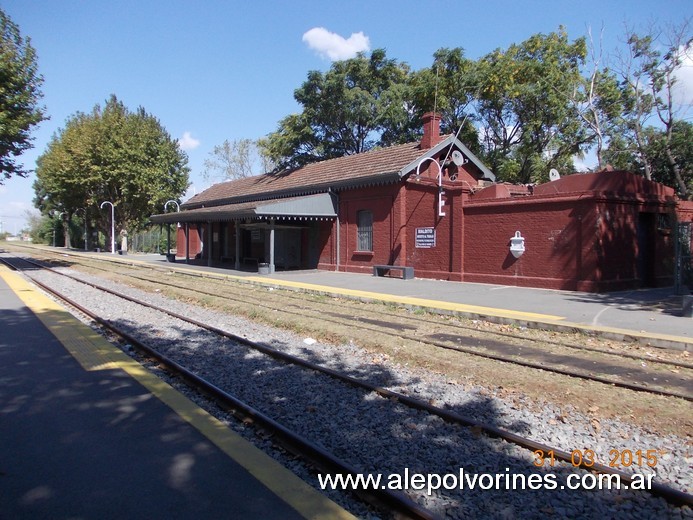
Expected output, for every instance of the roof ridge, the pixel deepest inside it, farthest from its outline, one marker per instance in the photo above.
(369, 166)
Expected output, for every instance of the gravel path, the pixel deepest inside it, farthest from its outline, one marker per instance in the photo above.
(383, 437)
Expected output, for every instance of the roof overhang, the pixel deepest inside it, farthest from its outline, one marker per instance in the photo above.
(321, 206)
(437, 149)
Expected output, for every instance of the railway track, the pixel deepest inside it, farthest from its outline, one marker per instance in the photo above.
(452, 417)
(618, 368)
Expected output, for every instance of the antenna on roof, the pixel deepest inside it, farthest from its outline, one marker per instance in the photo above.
(435, 96)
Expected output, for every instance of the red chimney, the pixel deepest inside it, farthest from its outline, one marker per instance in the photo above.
(431, 130)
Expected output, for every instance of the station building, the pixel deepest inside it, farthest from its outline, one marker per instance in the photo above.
(435, 207)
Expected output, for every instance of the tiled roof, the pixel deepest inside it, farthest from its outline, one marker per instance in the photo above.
(373, 167)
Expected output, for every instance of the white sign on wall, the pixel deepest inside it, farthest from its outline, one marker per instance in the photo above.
(425, 238)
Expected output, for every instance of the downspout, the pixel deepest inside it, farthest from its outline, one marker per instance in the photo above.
(187, 242)
(336, 196)
(271, 251)
(237, 264)
(209, 244)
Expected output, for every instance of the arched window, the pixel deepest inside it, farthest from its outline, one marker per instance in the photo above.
(365, 230)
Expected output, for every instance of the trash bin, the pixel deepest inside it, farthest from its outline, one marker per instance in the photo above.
(263, 268)
(171, 257)
(687, 306)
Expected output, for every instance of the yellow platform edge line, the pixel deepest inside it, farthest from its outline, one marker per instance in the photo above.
(411, 300)
(406, 300)
(70, 332)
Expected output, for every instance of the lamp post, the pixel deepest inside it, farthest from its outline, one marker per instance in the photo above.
(168, 228)
(112, 224)
(441, 193)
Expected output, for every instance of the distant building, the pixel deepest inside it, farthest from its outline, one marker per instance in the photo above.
(433, 206)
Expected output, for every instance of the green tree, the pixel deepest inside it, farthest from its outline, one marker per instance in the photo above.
(115, 155)
(674, 145)
(449, 87)
(598, 102)
(525, 110)
(20, 85)
(345, 111)
(648, 77)
(658, 147)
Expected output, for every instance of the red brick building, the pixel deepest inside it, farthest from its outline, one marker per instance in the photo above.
(435, 207)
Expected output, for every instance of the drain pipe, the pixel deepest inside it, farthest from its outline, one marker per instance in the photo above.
(336, 196)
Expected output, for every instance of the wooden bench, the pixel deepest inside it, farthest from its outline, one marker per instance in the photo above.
(382, 270)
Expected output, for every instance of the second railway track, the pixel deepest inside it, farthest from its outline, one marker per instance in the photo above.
(660, 373)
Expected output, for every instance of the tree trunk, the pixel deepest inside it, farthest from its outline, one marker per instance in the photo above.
(66, 232)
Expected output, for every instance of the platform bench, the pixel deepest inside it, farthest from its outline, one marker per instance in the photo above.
(381, 270)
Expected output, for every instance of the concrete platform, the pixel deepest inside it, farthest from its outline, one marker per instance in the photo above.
(86, 432)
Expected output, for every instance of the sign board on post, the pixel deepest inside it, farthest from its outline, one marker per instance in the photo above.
(425, 238)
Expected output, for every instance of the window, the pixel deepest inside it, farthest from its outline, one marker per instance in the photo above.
(365, 231)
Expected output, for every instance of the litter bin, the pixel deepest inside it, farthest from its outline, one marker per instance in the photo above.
(687, 306)
(263, 268)
(171, 257)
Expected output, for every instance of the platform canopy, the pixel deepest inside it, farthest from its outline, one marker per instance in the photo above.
(321, 206)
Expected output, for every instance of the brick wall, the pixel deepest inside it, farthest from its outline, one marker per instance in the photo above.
(573, 243)
(444, 260)
(581, 240)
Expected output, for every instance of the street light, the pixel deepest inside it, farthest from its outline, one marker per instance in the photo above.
(168, 229)
(169, 202)
(112, 224)
(441, 193)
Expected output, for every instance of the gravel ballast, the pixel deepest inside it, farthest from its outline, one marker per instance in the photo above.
(384, 437)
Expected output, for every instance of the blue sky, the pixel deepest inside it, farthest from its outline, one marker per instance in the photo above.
(216, 70)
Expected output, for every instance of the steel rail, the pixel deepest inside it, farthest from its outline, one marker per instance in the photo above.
(485, 318)
(473, 352)
(293, 442)
(670, 494)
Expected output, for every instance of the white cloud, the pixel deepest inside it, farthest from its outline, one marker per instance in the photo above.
(333, 46)
(188, 142)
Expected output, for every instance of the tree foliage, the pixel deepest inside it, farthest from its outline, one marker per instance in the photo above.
(20, 93)
(449, 87)
(115, 155)
(648, 79)
(525, 109)
(345, 111)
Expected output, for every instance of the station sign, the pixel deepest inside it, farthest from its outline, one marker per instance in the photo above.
(425, 238)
